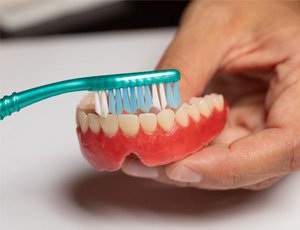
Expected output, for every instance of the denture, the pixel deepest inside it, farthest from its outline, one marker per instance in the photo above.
(156, 138)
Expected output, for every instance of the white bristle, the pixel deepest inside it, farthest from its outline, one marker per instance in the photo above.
(104, 104)
(97, 103)
(158, 99)
(148, 98)
(143, 90)
(155, 98)
(128, 90)
(121, 90)
(162, 94)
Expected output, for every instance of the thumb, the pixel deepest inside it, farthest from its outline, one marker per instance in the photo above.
(196, 51)
(247, 161)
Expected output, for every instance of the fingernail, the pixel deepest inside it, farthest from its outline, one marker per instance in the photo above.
(183, 174)
(135, 168)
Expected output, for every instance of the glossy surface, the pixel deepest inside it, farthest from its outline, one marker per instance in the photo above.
(158, 148)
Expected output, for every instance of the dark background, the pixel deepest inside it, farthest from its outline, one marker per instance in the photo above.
(126, 15)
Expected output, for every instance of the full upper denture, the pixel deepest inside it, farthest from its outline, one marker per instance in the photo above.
(156, 138)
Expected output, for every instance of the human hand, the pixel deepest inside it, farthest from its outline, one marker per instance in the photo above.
(251, 52)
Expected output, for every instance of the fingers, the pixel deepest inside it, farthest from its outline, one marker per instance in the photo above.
(137, 169)
(246, 116)
(134, 167)
(245, 162)
(196, 51)
(251, 163)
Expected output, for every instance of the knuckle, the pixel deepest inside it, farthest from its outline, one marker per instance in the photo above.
(215, 15)
(288, 153)
(230, 177)
(233, 173)
(187, 72)
(234, 180)
(294, 156)
(180, 62)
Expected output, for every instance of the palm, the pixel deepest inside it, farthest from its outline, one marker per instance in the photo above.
(246, 98)
(258, 74)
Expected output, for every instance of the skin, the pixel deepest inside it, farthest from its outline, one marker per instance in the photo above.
(250, 52)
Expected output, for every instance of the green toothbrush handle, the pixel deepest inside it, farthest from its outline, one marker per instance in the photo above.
(17, 101)
(8, 105)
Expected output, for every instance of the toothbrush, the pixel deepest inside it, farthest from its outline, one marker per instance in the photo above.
(114, 94)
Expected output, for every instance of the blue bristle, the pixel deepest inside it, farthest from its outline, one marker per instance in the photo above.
(177, 99)
(119, 101)
(141, 102)
(148, 98)
(126, 100)
(170, 95)
(132, 100)
(111, 98)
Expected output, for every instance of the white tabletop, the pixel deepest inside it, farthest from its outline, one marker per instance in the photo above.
(46, 184)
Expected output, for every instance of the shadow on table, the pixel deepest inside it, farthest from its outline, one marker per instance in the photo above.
(95, 192)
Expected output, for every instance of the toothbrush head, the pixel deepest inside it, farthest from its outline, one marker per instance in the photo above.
(131, 92)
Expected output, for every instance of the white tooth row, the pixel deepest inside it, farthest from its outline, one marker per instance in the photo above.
(130, 123)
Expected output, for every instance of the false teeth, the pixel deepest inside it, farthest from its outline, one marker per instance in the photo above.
(129, 124)
(148, 122)
(94, 122)
(110, 124)
(204, 107)
(182, 117)
(218, 102)
(193, 100)
(83, 121)
(165, 119)
(208, 99)
(193, 112)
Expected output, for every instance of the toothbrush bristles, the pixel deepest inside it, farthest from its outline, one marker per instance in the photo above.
(169, 91)
(104, 103)
(119, 101)
(126, 100)
(141, 99)
(148, 100)
(97, 104)
(162, 95)
(131, 99)
(155, 98)
(112, 103)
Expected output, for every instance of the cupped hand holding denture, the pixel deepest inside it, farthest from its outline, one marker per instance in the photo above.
(249, 52)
